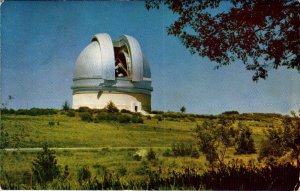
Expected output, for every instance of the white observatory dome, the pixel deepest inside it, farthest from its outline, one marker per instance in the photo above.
(105, 69)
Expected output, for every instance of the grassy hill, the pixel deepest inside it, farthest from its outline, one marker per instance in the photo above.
(111, 145)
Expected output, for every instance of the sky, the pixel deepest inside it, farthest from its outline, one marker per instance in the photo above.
(41, 40)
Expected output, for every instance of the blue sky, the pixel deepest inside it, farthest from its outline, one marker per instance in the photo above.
(40, 42)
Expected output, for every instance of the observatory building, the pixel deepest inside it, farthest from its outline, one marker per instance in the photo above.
(114, 71)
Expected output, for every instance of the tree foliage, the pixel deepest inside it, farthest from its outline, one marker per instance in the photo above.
(262, 34)
(111, 107)
(66, 106)
(244, 141)
(214, 138)
(283, 140)
(182, 109)
(45, 167)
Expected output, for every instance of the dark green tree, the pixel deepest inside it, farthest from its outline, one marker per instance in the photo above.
(244, 141)
(214, 138)
(262, 34)
(45, 167)
(66, 106)
(111, 107)
(182, 109)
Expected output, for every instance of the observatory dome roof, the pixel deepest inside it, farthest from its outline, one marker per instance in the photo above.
(106, 65)
(99, 58)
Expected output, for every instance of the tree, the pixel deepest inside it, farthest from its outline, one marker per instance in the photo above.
(111, 107)
(182, 109)
(262, 34)
(66, 106)
(214, 138)
(244, 141)
(282, 140)
(45, 167)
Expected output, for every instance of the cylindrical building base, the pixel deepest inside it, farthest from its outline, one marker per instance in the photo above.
(133, 102)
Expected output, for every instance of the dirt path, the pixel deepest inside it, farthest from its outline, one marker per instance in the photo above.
(78, 148)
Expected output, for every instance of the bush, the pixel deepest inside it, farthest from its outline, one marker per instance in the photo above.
(123, 119)
(148, 117)
(230, 112)
(137, 119)
(157, 112)
(36, 111)
(7, 111)
(158, 117)
(151, 154)
(100, 117)
(51, 123)
(71, 113)
(45, 167)
(83, 174)
(167, 153)
(84, 109)
(137, 157)
(125, 111)
(86, 117)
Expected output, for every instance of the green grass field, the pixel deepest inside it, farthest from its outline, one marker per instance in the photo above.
(109, 146)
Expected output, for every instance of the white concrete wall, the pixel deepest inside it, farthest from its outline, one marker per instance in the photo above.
(99, 101)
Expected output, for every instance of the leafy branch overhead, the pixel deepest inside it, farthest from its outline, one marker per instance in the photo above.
(262, 34)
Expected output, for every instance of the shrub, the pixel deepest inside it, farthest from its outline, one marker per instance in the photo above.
(36, 111)
(83, 174)
(111, 107)
(158, 117)
(151, 154)
(157, 112)
(84, 109)
(148, 117)
(51, 123)
(167, 153)
(230, 112)
(45, 167)
(112, 117)
(7, 111)
(125, 111)
(86, 117)
(137, 119)
(71, 113)
(100, 117)
(144, 169)
(123, 119)
(137, 157)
